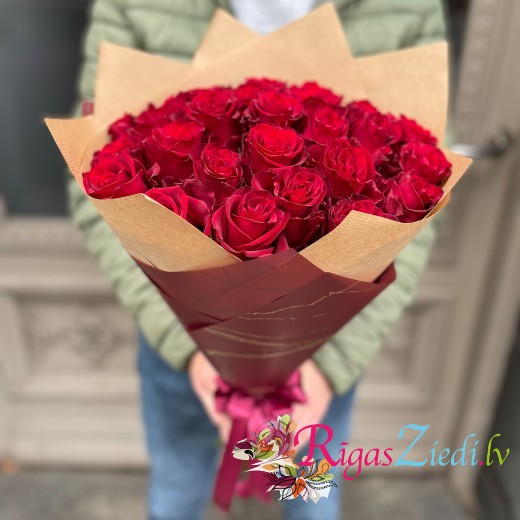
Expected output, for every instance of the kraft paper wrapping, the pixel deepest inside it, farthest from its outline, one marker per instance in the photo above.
(314, 48)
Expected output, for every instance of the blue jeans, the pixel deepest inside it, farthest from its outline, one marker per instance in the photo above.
(182, 446)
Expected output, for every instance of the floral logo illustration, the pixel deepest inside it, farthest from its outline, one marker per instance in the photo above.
(270, 452)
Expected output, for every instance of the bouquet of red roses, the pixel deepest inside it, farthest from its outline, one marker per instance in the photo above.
(266, 167)
(267, 211)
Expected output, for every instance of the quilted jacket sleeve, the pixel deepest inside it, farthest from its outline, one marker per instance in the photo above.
(158, 324)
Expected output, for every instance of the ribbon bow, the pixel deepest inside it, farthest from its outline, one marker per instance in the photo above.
(248, 412)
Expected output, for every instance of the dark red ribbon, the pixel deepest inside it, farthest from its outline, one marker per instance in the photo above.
(248, 412)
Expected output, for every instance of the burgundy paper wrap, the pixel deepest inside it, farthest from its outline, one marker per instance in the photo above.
(258, 320)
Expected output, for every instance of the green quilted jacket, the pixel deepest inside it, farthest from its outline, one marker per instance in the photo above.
(174, 28)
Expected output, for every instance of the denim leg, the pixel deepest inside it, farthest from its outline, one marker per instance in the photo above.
(181, 441)
(338, 418)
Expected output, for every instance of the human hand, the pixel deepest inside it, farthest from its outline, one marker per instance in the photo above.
(203, 379)
(319, 394)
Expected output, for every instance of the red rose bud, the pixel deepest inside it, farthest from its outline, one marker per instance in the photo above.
(121, 126)
(311, 92)
(250, 223)
(267, 146)
(170, 147)
(426, 160)
(116, 176)
(414, 132)
(410, 197)
(195, 189)
(216, 109)
(277, 108)
(219, 169)
(302, 231)
(122, 144)
(252, 87)
(326, 123)
(190, 209)
(343, 207)
(146, 122)
(377, 132)
(175, 106)
(358, 109)
(348, 166)
(299, 190)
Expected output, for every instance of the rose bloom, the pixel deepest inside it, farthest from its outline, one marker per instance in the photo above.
(410, 197)
(219, 169)
(343, 207)
(325, 123)
(216, 109)
(116, 176)
(250, 223)
(252, 87)
(175, 106)
(414, 132)
(190, 209)
(122, 144)
(277, 108)
(267, 146)
(311, 92)
(141, 126)
(348, 166)
(377, 132)
(121, 127)
(426, 160)
(170, 147)
(300, 190)
(358, 109)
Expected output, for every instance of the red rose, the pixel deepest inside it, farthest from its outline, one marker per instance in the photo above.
(348, 166)
(325, 123)
(378, 133)
(170, 147)
(192, 210)
(175, 106)
(219, 169)
(414, 132)
(410, 197)
(121, 126)
(122, 144)
(343, 207)
(195, 189)
(116, 176)
(250, 223)
(267, 146)
(358, 109)
(252, 87)
(425, 160)
(276, 108)
(216, 109)
(312, 92)
(150, 119)
(300, 190)
(302, 231)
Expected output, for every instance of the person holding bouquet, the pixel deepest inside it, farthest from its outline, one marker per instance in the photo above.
(178, 383)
